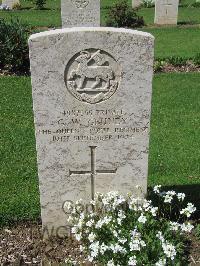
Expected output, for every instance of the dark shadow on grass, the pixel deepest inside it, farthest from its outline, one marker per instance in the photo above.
(42, 9)
(26, 8)
(187, 22)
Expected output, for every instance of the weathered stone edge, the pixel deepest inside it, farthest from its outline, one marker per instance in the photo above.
(90, 29)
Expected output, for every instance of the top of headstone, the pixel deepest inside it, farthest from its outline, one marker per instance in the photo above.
(90, 29)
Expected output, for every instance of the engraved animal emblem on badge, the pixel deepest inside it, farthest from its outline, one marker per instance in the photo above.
(80, 3)
(92, 76)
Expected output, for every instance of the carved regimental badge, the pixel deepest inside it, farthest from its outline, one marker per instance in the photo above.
(80, 3)
(92, 76)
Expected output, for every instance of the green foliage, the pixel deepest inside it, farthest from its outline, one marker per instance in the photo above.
(197, 231)
(158, 65)
(14, 55)
(122, 15)
(40, 4)
(148, 3)
(196, 59)
(176, 60)
(196, 3)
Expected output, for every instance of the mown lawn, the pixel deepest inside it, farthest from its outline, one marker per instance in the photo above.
(186, 15)
(178, 41)
(183, 42)
(51, 17)
(174, 145)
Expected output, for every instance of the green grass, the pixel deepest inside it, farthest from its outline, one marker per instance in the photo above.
(51, 17)
(174, 145)
(19, 197)
(186, 15)
(183, 42)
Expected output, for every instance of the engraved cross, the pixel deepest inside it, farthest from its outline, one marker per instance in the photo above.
(93, 172)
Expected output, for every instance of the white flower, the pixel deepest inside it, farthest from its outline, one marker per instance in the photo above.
(116, 248)
(156, 189)
(187, 227)
(188, 210)
(147, 205)
(132, 261)
(122, 240)
(92, 202)
(80, 223)
(160, 236)
(101, 222)
(181, 196)
(134, 245)
(115, 233)
(90, 258)
(174, 226)
(142, 243)
(121, 216)
(169, 196)
(90, 223)
(70, 219)
(74, 230)
(78, 237)
(142, 219)
(169, 250)
(161, 262)
(154, 210)
(103, 248)
(91, 237)
(110, 263)
(135, 204)
(81, 248)
(107, 220)
(94, 248)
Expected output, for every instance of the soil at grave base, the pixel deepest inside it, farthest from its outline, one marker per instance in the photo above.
(169, 68)
(22, 244)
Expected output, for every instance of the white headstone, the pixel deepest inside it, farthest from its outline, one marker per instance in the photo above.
(80, 13)
(136, 3)
(92, 100)
(166, 12)
(10, 3)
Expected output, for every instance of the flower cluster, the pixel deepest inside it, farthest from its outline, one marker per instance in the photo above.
(4, 7)
(119, 230)
(189, 210)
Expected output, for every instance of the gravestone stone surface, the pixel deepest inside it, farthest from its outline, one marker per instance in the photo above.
(92, 99)
(80, 13)
(136, 3)
(166, 12)
(10, 3)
